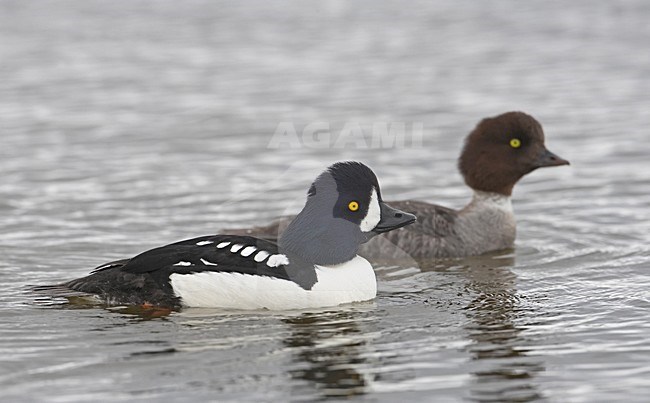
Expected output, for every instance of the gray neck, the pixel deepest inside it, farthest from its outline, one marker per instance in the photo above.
(320, 239)
(487, 223)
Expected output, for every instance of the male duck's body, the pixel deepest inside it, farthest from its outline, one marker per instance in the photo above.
(314, 264)
(497, 153)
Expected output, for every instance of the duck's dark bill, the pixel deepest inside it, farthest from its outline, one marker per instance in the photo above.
(392, 218)
(548, 159)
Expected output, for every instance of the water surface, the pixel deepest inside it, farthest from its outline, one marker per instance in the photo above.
(127, 126)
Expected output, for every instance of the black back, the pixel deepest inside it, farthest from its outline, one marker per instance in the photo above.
(145, 278)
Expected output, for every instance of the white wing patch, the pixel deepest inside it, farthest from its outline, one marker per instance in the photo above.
(106, 266)
(247, 251)
(207, 263)
(223, 245)
(261, 255)
(277, 260)
(182, 263)
(236, 247)
(373, 216)
(203, 243)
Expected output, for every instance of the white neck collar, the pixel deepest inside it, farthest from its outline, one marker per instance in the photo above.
(492, 200)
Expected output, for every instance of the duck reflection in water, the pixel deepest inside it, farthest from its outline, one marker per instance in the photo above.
(329, 352)
(503, 370)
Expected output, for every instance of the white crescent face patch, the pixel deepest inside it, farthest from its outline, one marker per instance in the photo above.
(373, 216)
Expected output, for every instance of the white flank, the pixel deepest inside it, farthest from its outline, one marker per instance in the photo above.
(181, 263)
(261, 255)
(202, 243)
(352, 281)
(223, 245)
(207, 263)
(374, 214)
(247, 251)
(277, 260)
(236, 247)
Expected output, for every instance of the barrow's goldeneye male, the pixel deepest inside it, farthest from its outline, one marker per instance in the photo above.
(497, 153)
(314, 264)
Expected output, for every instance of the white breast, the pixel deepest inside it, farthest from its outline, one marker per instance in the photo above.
(352, 281)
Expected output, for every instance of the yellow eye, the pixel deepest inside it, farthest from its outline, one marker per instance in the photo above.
(353, 206)
(515, 143)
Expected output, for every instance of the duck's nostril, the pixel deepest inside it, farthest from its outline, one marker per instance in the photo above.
(398, 215)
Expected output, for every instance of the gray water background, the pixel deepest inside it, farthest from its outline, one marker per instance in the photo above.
(127, 125)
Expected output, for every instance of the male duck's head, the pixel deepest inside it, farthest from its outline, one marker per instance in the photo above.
(344, 209)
